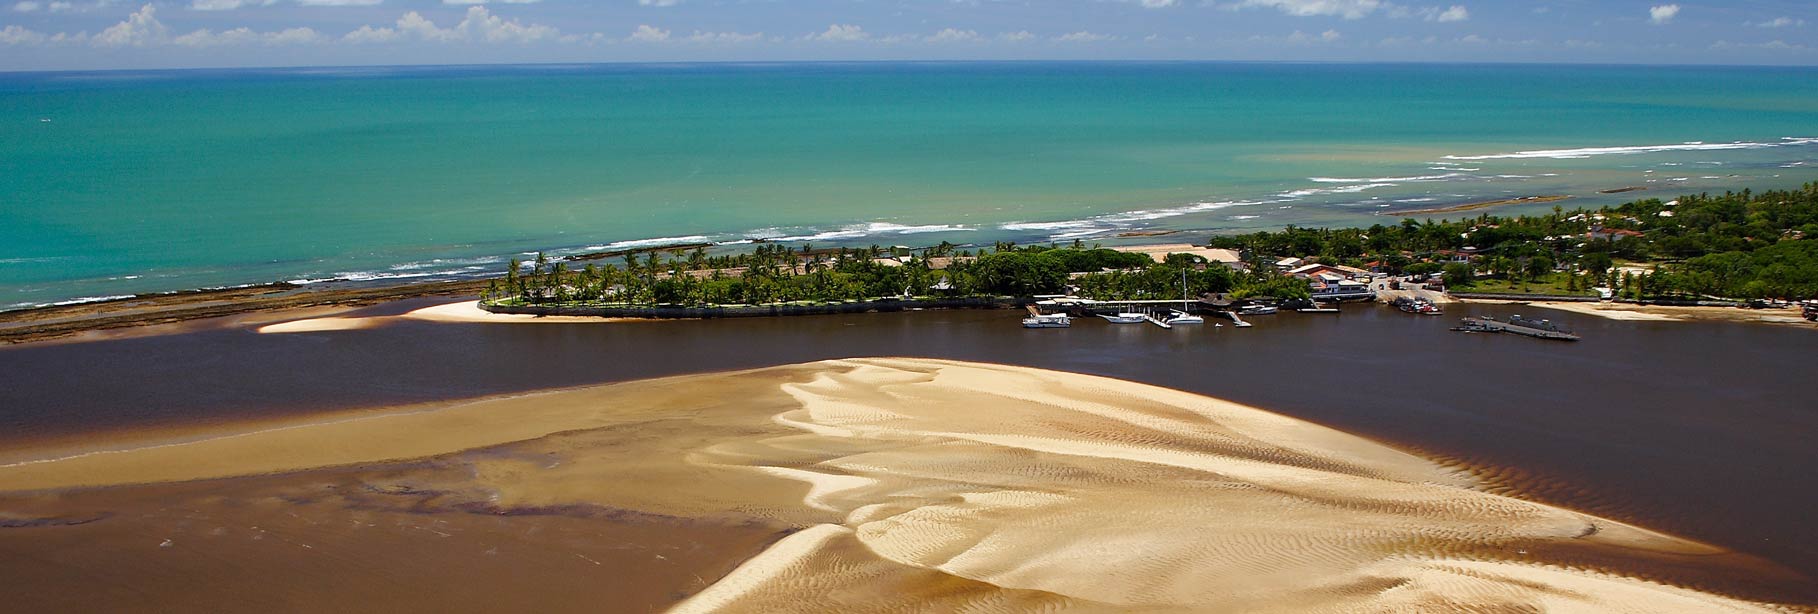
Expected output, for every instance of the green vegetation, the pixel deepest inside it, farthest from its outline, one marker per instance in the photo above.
(780, 274)
(1737, 245)
(1559, 284)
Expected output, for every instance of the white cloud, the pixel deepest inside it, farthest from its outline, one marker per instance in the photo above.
(723, 37)
(143, 29)
(1019, 36)
(1473, 39)
(477, 26)
(1782, 22)
(1348, 9)
(293, 36)
(414, 24)
(464, 2)
(647, 34)
(245, 36)
(1663, 13)
(951, 35)
(1082, 36)
(1773, 45)
(483, 26)
(338, 2)
(222, 5)
(15, 35)
(1158, 4)
(33, 6)
(841, 33)
(369, 34)
(1455, 13)
(140, 29)
(659, 3)
(1328, 36)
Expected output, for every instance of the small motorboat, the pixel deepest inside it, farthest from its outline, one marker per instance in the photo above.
(1176, 316)
(1418, 306)
(1257, 309)
(1041, 320)
(1124, 318)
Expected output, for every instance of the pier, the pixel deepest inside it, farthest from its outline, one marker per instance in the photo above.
(1539, 330)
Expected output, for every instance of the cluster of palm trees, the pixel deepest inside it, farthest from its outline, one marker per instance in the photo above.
(782, 274)
(770, 273)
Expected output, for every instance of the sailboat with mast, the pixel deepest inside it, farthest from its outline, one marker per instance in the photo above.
(1180, 316)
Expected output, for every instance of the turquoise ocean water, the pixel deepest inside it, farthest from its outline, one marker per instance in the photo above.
(115, 183)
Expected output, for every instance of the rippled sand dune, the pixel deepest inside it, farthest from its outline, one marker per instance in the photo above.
(937, 486)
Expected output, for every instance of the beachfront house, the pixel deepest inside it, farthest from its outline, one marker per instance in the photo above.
(1310, 271)
(1599, 233)
(1334, 287)
(1330, 282)
(1445, 256)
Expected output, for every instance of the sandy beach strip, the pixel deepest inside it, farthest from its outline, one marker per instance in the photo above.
(459, 312)
(1663, 313)
(965, 486)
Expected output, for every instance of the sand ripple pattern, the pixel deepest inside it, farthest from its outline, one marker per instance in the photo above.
(938, 486)
(969, 487)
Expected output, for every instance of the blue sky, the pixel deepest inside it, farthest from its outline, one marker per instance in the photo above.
(104, 34)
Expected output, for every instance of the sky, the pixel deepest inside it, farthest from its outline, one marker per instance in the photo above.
(136, 34)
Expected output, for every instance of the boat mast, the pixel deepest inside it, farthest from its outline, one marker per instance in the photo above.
(1183, 290)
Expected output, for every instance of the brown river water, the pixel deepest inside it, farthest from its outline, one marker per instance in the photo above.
(1701, 430)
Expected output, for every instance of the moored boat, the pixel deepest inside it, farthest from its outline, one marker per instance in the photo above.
(1419, 306)
(1054, 320)
(1124, 318)
(1180, 316)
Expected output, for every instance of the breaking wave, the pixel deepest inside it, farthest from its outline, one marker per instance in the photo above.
(1586, 152)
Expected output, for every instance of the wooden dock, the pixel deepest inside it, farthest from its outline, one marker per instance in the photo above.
(1484, 325)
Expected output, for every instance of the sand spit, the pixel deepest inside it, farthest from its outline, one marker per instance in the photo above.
(1663, 313)
(463, 312)
(925, 485)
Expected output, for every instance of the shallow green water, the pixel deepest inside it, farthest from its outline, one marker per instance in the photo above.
(150, 181)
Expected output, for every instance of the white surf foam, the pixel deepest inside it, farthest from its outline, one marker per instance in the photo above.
(91, 299)
(1586, 152)
(865, 230)
(1445, 177)
(1073, 229)
(656, 242)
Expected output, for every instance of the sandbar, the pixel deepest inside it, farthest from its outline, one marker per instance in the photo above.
(1664, 313)
(461, 312)
(932, 485)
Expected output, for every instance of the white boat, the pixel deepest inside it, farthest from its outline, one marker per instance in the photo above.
(1177, 316)
(1257, 309)
(1056, 320)
(1124, 318)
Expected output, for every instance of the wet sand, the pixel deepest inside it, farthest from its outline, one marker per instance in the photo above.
(947, 484)
(169, 313)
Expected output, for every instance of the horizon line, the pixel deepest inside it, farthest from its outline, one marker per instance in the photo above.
(281, 67)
